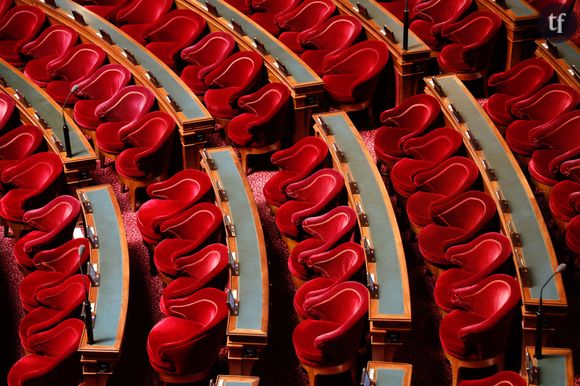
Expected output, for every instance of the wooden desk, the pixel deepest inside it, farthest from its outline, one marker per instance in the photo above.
(306, 87)
(193, 119)
(570, 56)
(111, 298)
(389, 373)
(390, 311)
(556, 366)
(236, 380)
(521, 22)
(410, 65)
(39, 109)
(248, 331)
(522, 217)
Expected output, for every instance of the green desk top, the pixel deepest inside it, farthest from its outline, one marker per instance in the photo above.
(521, 8)
(382, 17)
(569, 53)
(390, 377)
(109, 306)
(190, 105)
(535, 248)
(384, 233)
(250, 291)
(236, 383)
(297, 69)
(553, 370)
(41, 102)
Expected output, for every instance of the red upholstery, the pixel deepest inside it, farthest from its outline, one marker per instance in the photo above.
(18, 26)
(203, 57)
(310, 197)
(268, 10)
(53, 42)
(30, 184)
(397, 8)
(541, 4)
(559, 133)
(142, 11)
(340, 263)
(263, 119)
(76, 63)
(231, 79)
(573, 235)
(547, 103)
(403, 173)
(310, 289)
(503, 378)
(545, 165)
(173, 32)
(185, 233)
(295, 163)
(5, 5)
(333, 336)
(455, 221)
(512, 85)
(169, 198)
(432, 16)
(56, 304)
(206, 268)
(335, 34)
(472, 43)
(6, 111)
(107, 9)
(480, 327)
(351, 75)
(97, 88)
(54, 359)
(309, 14)
(19, 144)
(187, 343)
(244, 6)
(565, 200)
(51, 225)
(475, 260)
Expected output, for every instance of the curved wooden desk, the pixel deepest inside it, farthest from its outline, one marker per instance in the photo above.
(519, 214)
(233, 380)
(248, 330)
(110, 255)
(410, 65)
(389, 373)
(390, 307)
(37, 108)
(556, 368)
(306, 87)
(565, 60)
(173, 96)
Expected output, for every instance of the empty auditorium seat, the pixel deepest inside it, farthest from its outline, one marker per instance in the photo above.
(107, 9)
(266, 12)
(295, 163)
(397, 8)
(546, 103)
(434, 146)
(565, 201)
(559, 133)
(244, 6)
(64, 258)
(432, 16)
(18, 26)
(7, 106)
(19, 144)
(53, 42)
(573, 235)
(545, 165)
(339, 264)
(203, 57)
(136, 14)
(507, 378)
(311, 288)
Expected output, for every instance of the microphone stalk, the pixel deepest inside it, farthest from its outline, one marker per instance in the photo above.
(65, 129)
(406, 26)
(540, 314)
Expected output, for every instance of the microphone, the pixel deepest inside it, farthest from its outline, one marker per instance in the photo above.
(540, 313)
(87, 312)
(406, 26)
(67, 147)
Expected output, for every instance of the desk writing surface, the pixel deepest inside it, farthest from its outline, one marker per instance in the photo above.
(190, 106)
(520, 8)
(569, 53)
(45, 109)
(534, 245)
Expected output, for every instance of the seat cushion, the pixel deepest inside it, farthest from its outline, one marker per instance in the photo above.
(169, 250)
(446, 283)
(284, 217)
(303, 338)
(190, 75)
(36, 70)
(539, 166)
(59, 89)
(275, 187)
(422, 28)
(517, 136)
(107, 137)
(451, 59)
(9, 53)
(418, 207)
(148, 217)
(237, 130)
(498, 108)
(135, 31)
(290, 40)
(266, 21)
(448, 333)
(434, 241)
(339, 87)
(218, 102)
(84, 113)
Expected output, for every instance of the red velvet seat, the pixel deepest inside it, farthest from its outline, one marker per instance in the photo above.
(311, 288)
(173, 32)
(475, 261)
(432, 16)
(332, 337)
(545, 165)
(351, 75)
(337, 33)
(96, 88)
(309, 197)
(573, 235)
(403, 173)
(206, 268)
(6, 111)
(5, 5)
(244, 6)
(185, 233)
(559, 133)
(268, 10)
(19, 144)
(309, 14)
(434, 146)
(480, 328)
(339, 264)
(30, 184)
(183, 347)
(541, 4)
(51, 225)
(472, 43)
(18, 26)
(169, 198)
(519, 82)
(75, 64)
(56, 304)
(503, 378)
(455, 221)
(136, 15)
(325, 231)
(547, 103)
(54, 359)
(295, 163)
(231, 79)
(397, 8)
(53, 42)
(107, 9)
(565, 200)
(203, 57)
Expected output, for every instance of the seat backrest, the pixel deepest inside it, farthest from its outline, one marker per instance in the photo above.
(21, 23)
(417, 112)
(274, 6)
(212, 49)
(180, 25)
(547, 103)
(35, 172)
(200, 220)
(302, 157)
(54, 216)
(339, 263)
(64, 258)
(59, 296)
(103, 83)
(142, 11)
(81, 60)
(307, 15)
(6, 109)
(148, 130)
(434, 146)
(469, 210)
(332, 225)
(187, 185)
(473, 31)
(54, 40)
(209, 261)
(485, 253)
(335, 33)
(59, 342)
(441, 12)
(128, 104)
(559, 133)
(239, 70)
(454, 175)
(502, 378)
(524, 78)
(321, 186)
(20, 143)
(205, 306)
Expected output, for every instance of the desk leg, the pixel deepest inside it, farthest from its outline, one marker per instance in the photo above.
(190, 151)
(96, 373)
(529, 331)
(304, 107)
(241, 359)
(386, 343)
(408, 77)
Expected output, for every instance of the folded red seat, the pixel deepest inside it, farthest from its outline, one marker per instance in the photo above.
(18, 145)
(565, 200)
(6, 111)
(501, 378)
(433, 15)
(135, 15)
(19, 26)
(573, 235)
(266, 12)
